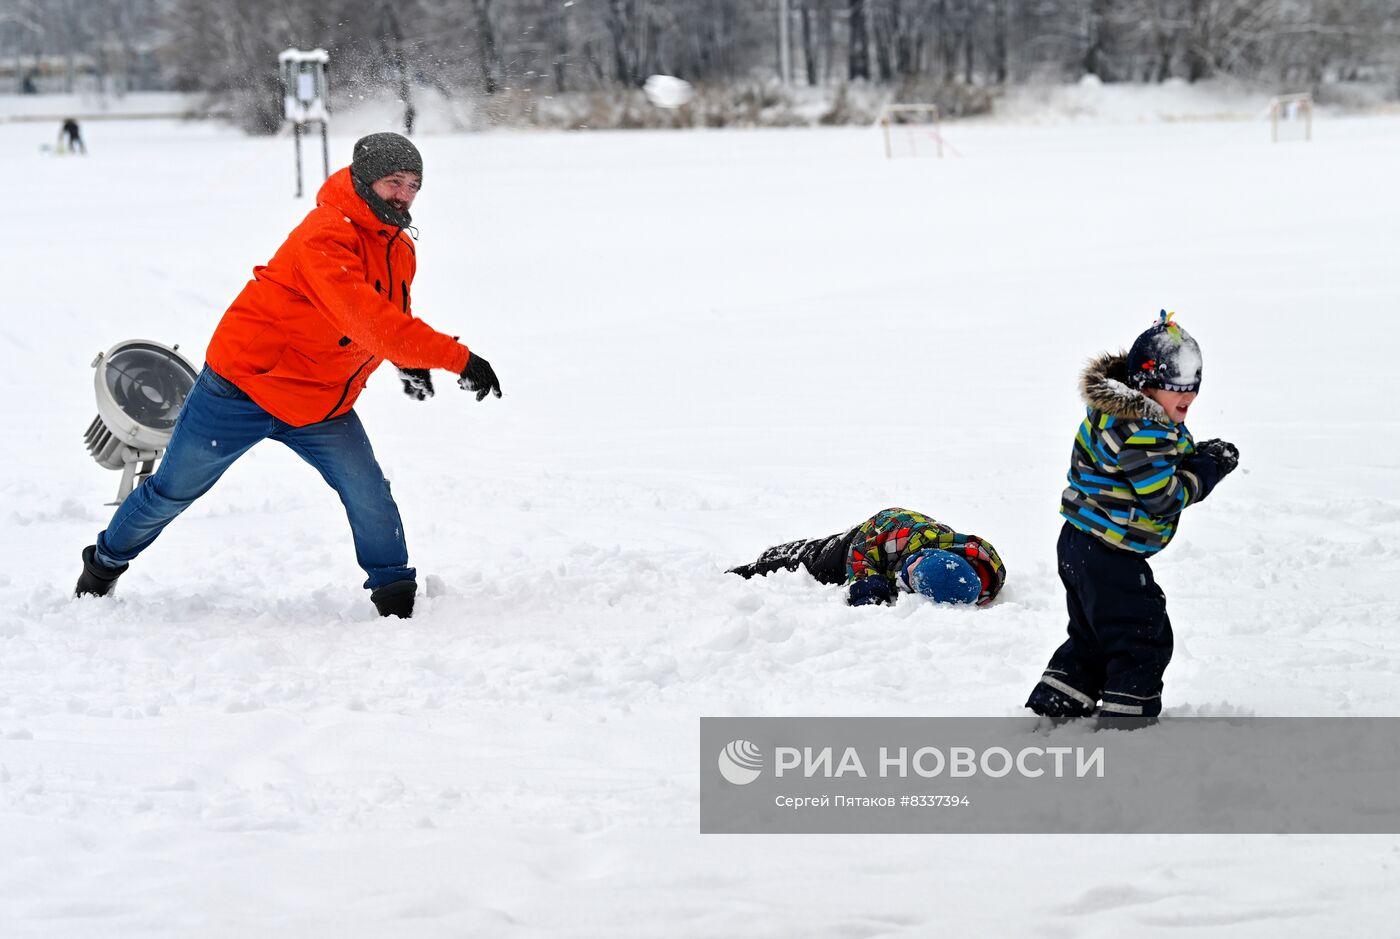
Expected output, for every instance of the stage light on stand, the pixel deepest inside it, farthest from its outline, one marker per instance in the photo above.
(141, 386)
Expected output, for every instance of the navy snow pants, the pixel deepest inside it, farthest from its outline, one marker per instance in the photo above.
(1120, 639)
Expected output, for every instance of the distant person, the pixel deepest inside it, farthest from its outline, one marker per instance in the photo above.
(1133, 469)
(895, 551)
(287, 362)
(71, 138)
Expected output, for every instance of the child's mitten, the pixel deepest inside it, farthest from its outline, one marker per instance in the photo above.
(1225, 454)
(870, 590)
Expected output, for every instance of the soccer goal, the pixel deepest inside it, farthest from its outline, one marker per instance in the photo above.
(911, 130)
(1290, 118)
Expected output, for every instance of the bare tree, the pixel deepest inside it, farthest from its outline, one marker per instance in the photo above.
(1161, 42)
(489, 55)
(807, 16)
(392, 49)
(858, 47)
(229, 47)
(1096, 41)
(1000, 40)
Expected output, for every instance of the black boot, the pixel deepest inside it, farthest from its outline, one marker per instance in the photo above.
(395, 599)
(1109, 720)
(96, 580)
(1054, 703)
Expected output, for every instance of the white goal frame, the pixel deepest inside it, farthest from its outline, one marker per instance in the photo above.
(888, 121)
(1289, 107)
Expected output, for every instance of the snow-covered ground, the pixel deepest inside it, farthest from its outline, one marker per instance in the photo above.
(709, 342)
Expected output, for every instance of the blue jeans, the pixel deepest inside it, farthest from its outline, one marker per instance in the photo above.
(217, 425)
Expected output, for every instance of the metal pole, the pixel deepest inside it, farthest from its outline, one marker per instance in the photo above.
(296, 135)
(325, 154)
(784, 46)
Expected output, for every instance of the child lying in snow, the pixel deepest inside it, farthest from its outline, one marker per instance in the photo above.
(896, 550)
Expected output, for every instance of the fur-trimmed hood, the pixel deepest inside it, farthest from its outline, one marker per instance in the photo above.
(1104, 387)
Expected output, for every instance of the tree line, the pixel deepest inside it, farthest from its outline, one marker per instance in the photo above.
(491, 47)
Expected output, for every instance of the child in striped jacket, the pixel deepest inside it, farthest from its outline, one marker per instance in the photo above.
(1134, 468)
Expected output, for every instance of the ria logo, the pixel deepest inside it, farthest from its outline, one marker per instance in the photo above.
(740, 762)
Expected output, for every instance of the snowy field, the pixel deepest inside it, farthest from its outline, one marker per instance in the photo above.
(709, 342)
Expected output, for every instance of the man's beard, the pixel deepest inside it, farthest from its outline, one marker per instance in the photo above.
(390, 213)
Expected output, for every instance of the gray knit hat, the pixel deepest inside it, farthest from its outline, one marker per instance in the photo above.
(384, 154)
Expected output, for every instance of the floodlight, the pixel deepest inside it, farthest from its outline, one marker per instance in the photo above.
(141, 386)
(304, 94)
(304, 84)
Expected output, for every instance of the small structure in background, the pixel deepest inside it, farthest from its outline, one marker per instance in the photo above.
(304, 95)
(141, 387)
(911, 130)
(1291, 111)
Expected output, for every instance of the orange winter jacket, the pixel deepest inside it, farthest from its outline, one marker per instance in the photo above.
(306, 332)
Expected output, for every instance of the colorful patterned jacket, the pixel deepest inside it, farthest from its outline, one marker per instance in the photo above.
(880, 545)
(1128, 476)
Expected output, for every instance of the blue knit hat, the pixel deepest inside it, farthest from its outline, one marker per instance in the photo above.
(941, 576)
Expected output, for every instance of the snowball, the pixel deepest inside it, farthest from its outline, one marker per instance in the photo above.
(667, 91)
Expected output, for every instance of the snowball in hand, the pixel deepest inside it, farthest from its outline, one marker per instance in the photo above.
(667, 91)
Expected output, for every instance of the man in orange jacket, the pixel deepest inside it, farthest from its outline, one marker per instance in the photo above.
(288, 360)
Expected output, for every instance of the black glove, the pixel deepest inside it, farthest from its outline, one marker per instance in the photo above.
(1225, 454)
(480, 378)
(417, 383)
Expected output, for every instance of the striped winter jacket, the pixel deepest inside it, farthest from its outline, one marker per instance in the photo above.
(880, 545)
(1127, 484)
